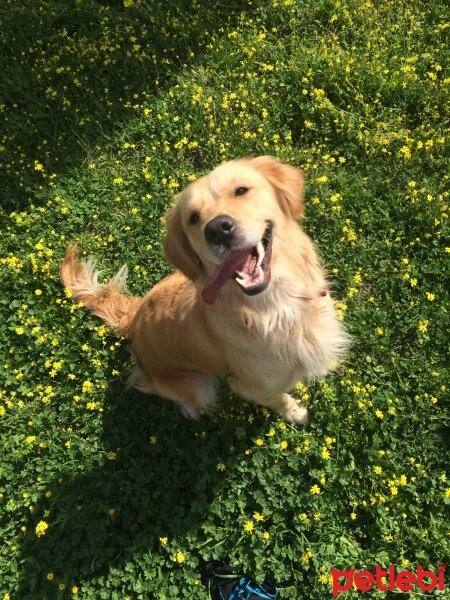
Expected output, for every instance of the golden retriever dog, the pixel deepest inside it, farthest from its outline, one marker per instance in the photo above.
(248, 299)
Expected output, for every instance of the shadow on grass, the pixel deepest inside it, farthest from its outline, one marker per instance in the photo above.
(160, 484)
(69, 70)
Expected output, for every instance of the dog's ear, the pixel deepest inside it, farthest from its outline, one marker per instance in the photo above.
(288, 182)
(177, 249)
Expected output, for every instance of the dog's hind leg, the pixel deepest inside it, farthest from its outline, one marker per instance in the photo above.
(191, 391)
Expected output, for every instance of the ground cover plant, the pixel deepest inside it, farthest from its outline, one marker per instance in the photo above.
(108, 109)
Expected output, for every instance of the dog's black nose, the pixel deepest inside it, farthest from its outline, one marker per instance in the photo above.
(220, 230)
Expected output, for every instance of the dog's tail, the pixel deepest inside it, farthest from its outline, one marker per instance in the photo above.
(107, 301)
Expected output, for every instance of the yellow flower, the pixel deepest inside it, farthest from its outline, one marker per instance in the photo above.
(259, 442)
(430, 296)
(405, 151)
(50, 576)
(325, 453)
(249, 526)
(258, 516)
(423, 325)
(447, 493)
(74, 589)
(315, 489)
(87, 387)
(41, 528)
(377, 469)
(38, 292)
(180, 558)
(283, 444)
(306, 556)
(220, 467)
(163, 541)
(266, 535)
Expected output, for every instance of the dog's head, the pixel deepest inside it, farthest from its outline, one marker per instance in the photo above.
(227, 224)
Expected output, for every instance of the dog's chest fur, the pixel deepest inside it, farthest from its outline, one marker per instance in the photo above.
(281, 336)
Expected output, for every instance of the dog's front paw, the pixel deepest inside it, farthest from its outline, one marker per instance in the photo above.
(296, 414)
(189, 412)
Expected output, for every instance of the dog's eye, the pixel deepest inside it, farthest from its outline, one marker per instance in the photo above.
(194, 218)
(240, 191)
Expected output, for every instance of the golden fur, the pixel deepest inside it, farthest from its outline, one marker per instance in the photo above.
(266, 342)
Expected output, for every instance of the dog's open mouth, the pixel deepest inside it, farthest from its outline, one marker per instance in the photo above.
(249, 267)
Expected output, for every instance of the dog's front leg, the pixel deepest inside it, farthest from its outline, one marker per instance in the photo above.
(285, 405)
(290, 409)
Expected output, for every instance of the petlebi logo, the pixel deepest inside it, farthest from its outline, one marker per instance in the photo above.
(388, 580)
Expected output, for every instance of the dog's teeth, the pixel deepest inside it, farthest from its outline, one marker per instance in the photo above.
(260, 273)
(240, 278)
(261, 253)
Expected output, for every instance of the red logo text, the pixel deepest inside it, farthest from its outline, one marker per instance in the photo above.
(387, 580)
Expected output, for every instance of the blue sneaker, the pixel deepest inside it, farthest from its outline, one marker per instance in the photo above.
(222, 584)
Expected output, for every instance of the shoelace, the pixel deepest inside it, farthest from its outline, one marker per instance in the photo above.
(245, 589)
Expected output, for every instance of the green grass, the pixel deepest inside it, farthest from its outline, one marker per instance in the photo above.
(106, 112)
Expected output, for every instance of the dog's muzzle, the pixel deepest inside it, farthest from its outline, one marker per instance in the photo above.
(248, 266)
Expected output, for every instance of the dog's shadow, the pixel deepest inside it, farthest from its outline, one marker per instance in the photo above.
(156, 478)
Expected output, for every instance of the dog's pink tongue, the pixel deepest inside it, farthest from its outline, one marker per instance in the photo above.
(235, 261)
